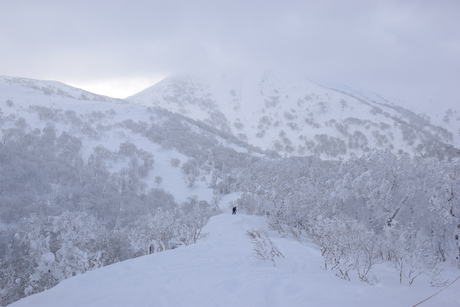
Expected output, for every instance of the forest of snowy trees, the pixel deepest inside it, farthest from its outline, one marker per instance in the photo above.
(62, 215)
(66, 208)
(363, 211)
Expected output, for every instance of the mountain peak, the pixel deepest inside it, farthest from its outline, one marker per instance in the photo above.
(292, 115)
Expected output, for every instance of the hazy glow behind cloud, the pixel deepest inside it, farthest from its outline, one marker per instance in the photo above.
(117, 87)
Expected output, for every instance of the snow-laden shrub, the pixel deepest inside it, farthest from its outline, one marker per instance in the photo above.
(264, 248)
(193, 215)
(346, 246)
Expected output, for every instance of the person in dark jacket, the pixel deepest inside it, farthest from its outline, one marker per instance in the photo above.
(234, 210)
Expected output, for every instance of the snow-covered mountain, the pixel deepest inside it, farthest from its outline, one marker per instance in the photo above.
(294, 116)
(87, 181)
(32, 105)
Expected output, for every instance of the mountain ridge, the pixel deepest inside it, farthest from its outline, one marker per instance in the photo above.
(316, 120)
(56, 88)
(294, 116)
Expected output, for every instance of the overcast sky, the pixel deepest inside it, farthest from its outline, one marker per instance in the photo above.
(394, 47)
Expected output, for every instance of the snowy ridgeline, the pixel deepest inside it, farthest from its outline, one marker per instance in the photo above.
(240, 262)
(88, 184)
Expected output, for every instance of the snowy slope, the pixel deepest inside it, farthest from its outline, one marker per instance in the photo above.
(221, 270)
(101, 121)
(294, 116)
(440, 110)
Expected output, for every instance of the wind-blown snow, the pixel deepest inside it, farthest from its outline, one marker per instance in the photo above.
(222, 270)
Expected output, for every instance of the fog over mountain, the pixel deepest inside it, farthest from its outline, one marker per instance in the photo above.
(405, 49)
(358, 185)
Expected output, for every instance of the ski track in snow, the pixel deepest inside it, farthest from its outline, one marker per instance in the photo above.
(221, 270)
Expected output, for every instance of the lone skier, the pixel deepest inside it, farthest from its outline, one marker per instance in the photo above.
(234, 211)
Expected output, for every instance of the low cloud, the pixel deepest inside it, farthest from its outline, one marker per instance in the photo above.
(381, 45)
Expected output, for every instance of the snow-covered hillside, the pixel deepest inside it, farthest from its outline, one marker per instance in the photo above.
(103, 121)
(224, 270)
(294, 116)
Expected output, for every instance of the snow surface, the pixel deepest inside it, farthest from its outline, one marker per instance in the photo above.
(222, 270)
